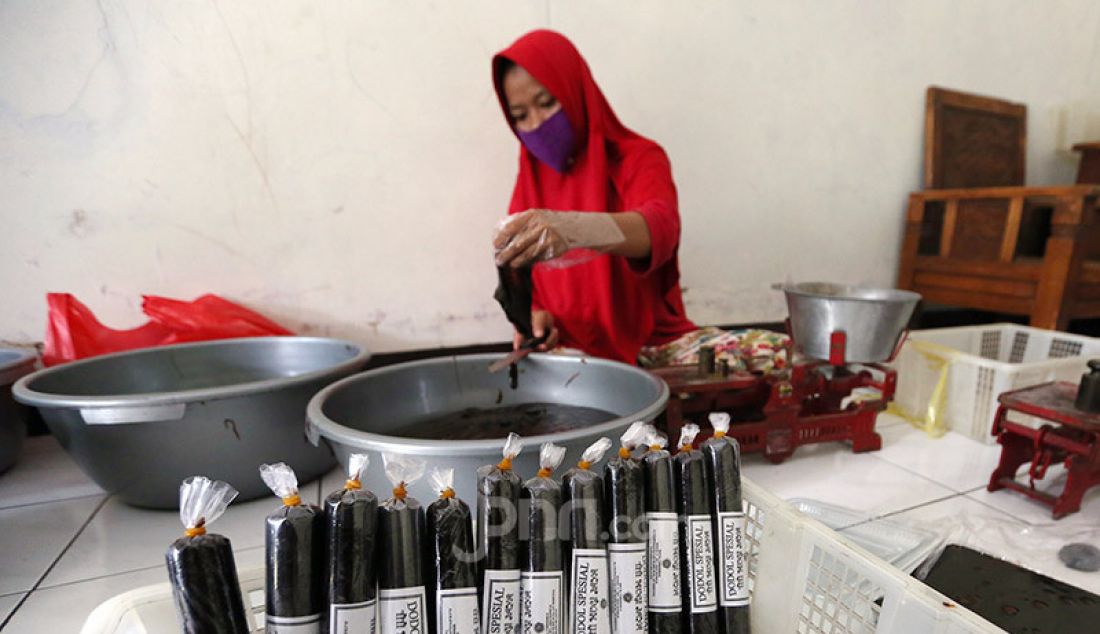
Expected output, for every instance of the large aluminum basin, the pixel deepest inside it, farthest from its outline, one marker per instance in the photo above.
(139, 422)
(873, 320)
(13, 416)
(361, 413)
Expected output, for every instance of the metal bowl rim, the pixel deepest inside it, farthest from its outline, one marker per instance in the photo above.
(899, 295)
(24, 394)
(357, 439)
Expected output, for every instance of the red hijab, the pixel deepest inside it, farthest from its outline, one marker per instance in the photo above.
(607, 306)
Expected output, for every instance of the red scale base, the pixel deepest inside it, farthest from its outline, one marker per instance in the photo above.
(777, 413)
(1074, 440)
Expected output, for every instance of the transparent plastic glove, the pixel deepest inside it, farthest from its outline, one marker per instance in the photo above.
(687, 435)
(203, 500)
(594, 453)
(539, 235)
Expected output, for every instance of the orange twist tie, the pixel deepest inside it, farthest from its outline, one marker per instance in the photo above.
(544, 472)
(624, 452)
(719, 434)
(399, 491)
(292, 500)
(505, 464)
(584, 464)
(654, 447)
(447, 493)
(196, 531)
(353, 485)
(684, 448)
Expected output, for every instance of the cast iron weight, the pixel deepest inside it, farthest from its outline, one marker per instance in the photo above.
(1088, 393)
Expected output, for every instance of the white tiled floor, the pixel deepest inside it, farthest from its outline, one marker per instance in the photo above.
(65, 547)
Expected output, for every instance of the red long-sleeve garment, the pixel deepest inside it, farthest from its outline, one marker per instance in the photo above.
(607, 306)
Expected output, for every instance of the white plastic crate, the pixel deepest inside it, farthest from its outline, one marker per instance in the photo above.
(804, 578)
(981, 363)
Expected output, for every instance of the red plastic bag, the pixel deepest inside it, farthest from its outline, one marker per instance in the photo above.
(73, 332)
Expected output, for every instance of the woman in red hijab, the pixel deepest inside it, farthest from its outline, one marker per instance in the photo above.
(595, 192)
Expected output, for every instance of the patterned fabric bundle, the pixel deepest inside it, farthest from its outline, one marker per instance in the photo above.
(753, 350)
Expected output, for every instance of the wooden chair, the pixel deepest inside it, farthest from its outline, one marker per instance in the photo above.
(1089, 169)
(977, 238)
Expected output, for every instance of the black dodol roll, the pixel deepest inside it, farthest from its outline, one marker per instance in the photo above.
(663, 538)
(295, 565)
(205, 585)
(700, 595)
(723, 462)
(351, 519)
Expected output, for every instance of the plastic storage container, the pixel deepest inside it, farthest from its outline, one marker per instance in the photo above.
(804, 578)
(901, 545)
(975, 364)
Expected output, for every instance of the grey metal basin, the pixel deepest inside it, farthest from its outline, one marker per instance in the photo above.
(872, 319)
(13, 416)
(139, 422)
(363, 413)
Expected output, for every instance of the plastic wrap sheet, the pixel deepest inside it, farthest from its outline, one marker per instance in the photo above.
(295, 554)
(542, 580)
(351, 518)
(514, 293)
(1034, 546)
(624, 485)
(295, 568)
(588, 569)
(452, 573)
(201, 568)
(723, 466)
(205, 586)
(694, 500)
(498, 492)
(663, 539)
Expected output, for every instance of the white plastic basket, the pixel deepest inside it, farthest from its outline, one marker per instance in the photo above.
(981, 363)
(804, 578)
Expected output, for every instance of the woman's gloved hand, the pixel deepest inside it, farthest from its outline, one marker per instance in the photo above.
(542, 323)
(538, 235)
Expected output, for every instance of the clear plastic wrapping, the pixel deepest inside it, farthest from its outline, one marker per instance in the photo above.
(624, 492)
(295, 554)
(663, 537)
(588, 566)
(452, 574)
(723, 466)
(543, 501)
(201, 567)
(515, 292)
(402, 600)
(693, 502)
(351, 518)
(498, 493)
(542, 583)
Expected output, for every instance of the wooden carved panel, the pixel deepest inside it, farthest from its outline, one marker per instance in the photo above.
(973, 141)
(979, 227)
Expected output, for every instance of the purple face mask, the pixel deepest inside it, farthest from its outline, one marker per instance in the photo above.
(552, 142)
